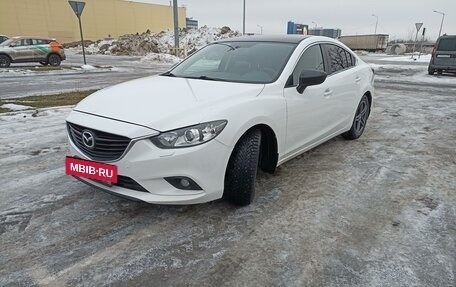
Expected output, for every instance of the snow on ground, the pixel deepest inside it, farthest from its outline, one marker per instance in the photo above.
(403, 69)
(24, 118)
(17, 71)
(411, 74)
(409, 58)
(23, 129)
(87, 67)
(14, 107)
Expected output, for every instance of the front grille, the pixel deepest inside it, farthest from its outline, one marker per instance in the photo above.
(129, 183)
(108, 147)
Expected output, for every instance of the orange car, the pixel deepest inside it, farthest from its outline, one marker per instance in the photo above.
(31, 49)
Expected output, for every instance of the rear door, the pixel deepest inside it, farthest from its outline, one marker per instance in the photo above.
(446, 53)
(345, 83)
(41, 49)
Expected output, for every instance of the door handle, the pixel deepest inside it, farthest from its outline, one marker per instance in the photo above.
(328, 93)
(357, 79)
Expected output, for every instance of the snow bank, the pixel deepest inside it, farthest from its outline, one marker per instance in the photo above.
(160, 58)
(88, 67)
(14, 107)
(160, 43)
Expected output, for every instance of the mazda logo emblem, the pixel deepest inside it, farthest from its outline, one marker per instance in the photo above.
(88, 139)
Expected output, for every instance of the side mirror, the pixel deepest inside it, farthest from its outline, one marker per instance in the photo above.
(310, 78)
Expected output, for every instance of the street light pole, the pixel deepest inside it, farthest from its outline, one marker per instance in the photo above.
(441, 24)
(176, 28)
(243, 20)
(315, 25)
(261, 29)
(376, 23)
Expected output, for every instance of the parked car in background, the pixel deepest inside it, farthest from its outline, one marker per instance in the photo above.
(444, 55)
(3, 38)
(200, 131)
(31, 49)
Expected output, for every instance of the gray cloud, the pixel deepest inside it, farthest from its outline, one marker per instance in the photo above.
(396, 17)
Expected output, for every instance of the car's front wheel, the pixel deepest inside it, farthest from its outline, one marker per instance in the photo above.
(5, 61)
(242, 168)
(54, 60)
(360, 120)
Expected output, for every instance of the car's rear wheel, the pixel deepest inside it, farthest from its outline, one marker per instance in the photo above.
(44, 63)
(54, 60)
(5, 61)
(360, 120)
(242, 168)
(431, 71)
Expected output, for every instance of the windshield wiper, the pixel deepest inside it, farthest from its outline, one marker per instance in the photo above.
(209, 78)
(168, 74)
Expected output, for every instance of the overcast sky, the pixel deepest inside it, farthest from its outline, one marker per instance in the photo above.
(395, 17)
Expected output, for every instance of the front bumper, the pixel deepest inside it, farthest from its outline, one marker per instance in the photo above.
(148, 165)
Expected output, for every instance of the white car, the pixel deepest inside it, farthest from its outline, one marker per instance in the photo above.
(200, 131)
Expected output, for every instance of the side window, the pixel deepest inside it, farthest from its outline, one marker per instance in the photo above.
(339, 58)
(311, 59)
(25, 42)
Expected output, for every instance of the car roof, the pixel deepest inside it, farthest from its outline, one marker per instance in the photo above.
(32, 37)
(294, 39)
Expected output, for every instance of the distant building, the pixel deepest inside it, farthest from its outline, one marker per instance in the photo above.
(332, 33)
(294, 28)
(191, 23)
(101, 18)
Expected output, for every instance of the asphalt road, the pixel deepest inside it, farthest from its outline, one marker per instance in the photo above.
(116, 70)
(378, 211)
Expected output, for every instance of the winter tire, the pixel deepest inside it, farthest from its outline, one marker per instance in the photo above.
(242, 168)
(5, 61)
(360, 120)
(54, 60)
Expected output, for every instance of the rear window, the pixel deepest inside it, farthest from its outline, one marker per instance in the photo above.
(448, 44)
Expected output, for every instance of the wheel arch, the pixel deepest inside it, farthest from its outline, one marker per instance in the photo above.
(5, 54)
(269, 151)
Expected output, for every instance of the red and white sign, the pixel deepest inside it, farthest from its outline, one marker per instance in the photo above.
(91, 169)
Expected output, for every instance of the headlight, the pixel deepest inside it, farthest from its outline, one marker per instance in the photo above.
(189, 136)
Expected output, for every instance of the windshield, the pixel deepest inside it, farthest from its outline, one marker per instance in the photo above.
(245, 62)
(6, 43)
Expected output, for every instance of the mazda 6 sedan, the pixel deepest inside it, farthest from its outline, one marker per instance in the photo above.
(200, 131)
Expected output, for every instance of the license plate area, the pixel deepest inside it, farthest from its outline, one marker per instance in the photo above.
(105, 174)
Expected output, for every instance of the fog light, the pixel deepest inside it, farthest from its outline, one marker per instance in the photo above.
(183, 182)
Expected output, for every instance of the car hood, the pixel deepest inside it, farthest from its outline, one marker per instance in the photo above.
(165, 103)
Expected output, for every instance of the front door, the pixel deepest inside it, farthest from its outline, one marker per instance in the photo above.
(309, 113)
(23, 50)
